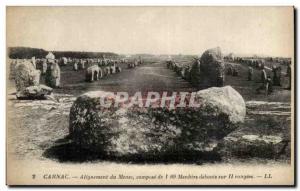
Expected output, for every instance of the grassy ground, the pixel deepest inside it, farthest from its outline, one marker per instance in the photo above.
(248, 88)
(37, 129)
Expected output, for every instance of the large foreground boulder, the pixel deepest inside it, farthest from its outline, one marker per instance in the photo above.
(155, 132)
(224, 100)
(212, 69)
(26, 75)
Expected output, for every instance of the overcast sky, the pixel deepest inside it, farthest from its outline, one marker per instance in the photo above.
(155, 30)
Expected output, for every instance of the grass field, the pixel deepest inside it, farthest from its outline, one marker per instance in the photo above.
(37, 129)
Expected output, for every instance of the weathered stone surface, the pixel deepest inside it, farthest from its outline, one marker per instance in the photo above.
(113, 69)
(93, 73)
(131, 64)
(225, 100)
(34, 92)
(212, 68)
(26, 75)
(106, 71)
(33, 61)
(187, 73)
(12, 69)
(195, 73)
(50, 56)
(118, 69)
(63, 61)
(45, 66)
(155, 132)
(75, 66)
(52, 78)
(82, 65)
(250, 145)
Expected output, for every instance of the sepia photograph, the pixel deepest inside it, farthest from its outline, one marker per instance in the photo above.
(150, 95)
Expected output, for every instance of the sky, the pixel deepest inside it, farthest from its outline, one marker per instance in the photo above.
(155, 30)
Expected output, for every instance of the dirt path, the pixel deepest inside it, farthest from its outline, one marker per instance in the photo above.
(149, 77)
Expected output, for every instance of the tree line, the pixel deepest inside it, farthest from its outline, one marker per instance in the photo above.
(27, 53)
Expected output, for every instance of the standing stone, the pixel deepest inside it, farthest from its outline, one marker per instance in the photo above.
(235, 71)
(12, 68)
(92, 73)
(276, 75)
(113, 69)
(118, 69)
(52, 78)
(107, 69)
(26, 75)
(82, 65)
(33, 61)
(195, 73)
(57, 74)
(187, 73)
(212, 69)
(50, 57)
(75, 66)
(63, 61)
(45, 66)
(250, 73)
(230, 70)
(100, 73)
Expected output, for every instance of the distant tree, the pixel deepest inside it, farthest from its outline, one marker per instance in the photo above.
(27, 53)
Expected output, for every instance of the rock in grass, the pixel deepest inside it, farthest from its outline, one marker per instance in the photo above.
(12, 69)
(26, 75)
(155, 132)
(34, 92)
(212, 68)
(224, 100)
(116, 131)
(195, 74)
(250, 145)
(52, 77)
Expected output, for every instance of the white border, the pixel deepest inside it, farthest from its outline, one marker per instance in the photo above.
(5, 3)
(150, 2)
